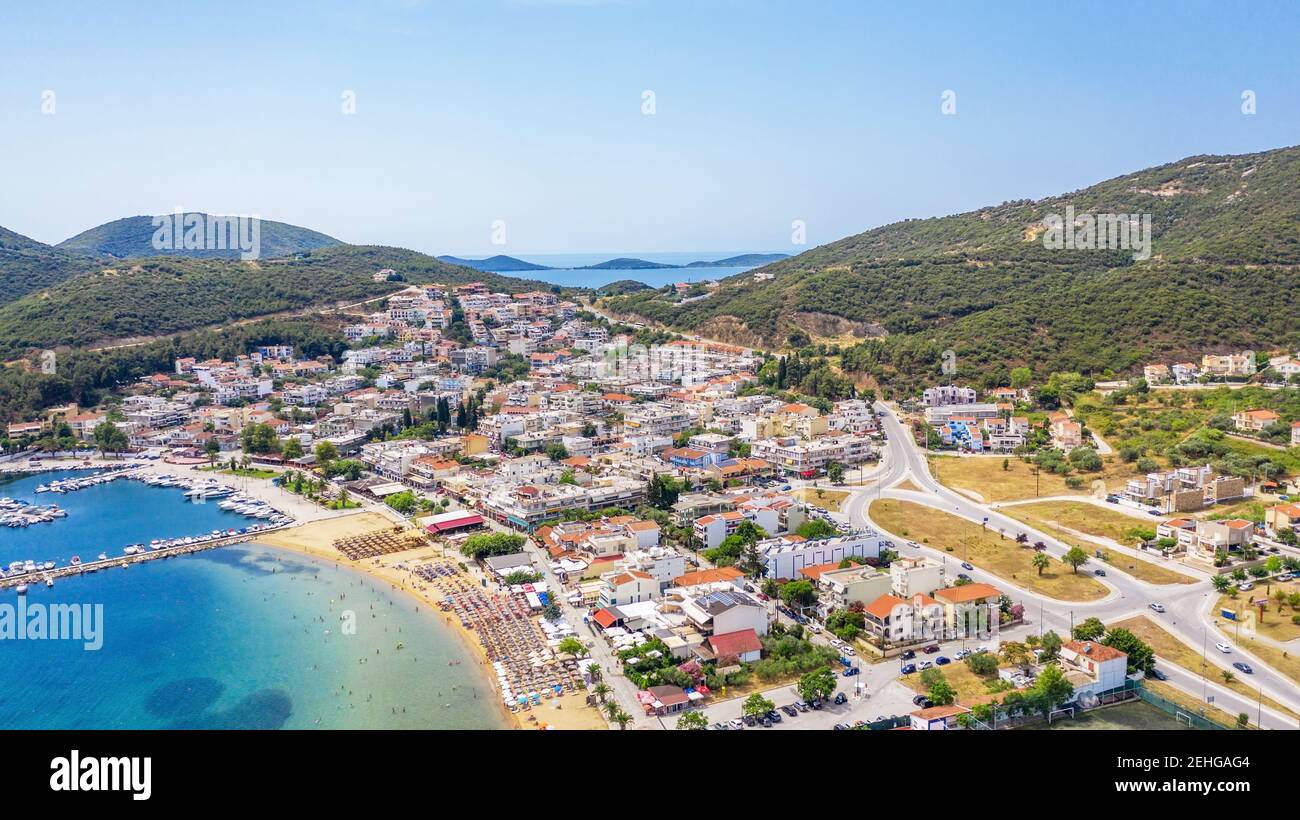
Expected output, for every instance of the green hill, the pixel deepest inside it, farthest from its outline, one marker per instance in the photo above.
(133, 237)
(1222, 274)
(27, 265)
(162, 295)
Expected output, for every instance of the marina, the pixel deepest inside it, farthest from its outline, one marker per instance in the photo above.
(23, 573)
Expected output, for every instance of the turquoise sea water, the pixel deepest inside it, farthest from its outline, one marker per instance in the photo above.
(236, 637)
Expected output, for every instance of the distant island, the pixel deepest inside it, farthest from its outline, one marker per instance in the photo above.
(742, 260)
(503, 264)
(495, 264)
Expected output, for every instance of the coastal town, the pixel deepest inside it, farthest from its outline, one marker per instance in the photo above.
(636, 529)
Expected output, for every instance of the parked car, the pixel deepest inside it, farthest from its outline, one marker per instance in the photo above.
(907, 668)
(922, 701)
(840, 698)
(801, 706)
(1243, 668)
(1157, 674)
(931, 649)
(851, 671)
(750, 720)
(1157, 607)
(965, 565)
(1245, 586)
(941, 660)
(963, 576)
(718, 727)
(1153, 512)
(842, 727)
(848, 650)
(774, 716)
(961, 654)
(790, 711)
(737, 724)
(907, 655)
(924, 665)
(764, 722)
(1223, 647)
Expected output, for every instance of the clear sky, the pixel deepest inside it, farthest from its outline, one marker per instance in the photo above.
(531, 112)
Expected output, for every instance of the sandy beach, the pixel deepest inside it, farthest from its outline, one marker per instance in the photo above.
(317, 538)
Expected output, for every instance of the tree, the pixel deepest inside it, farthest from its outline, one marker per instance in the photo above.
(1051, 688)
(1141, 657)
(572, 646)
(982, 663)
(817, 685)
(942, 693)
(404, 502)
(816, 528)
(211, 448)
(692, 721)
(110, 438)
(1091, 629)
(497, 543)
(326, 452)
(1041, 561)
(799, 594)
(1220, 583)
(1015, 653)
(601, 690)
(835, 471)
(622, 719)
(1051, 645)
(259, 438)
(1076, 558)
(292, 449)
(756, 705)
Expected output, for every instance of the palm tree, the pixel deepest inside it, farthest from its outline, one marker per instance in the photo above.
(601, 690)
(613, 710)
(593, 669)
(1220, 582)
(622, 719)
(1041, 562)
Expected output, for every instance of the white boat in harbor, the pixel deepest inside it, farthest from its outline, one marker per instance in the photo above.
(22, 589)
(103, 556)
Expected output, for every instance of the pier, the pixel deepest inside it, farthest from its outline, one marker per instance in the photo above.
(40, 576)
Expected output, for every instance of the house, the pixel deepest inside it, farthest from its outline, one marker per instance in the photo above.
(1232, 364)
(1156, 373)
(1282, 517)
(708, 576)
(1212, 537)
(721, 611)
(743, 645)
(896, 620)
(1067, 433)
(1252, 421)
(970, 609)
(667, 699)
(937, 718)
(628, 587)
(1093, 668)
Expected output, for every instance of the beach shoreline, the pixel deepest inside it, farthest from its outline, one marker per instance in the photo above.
(316, 540)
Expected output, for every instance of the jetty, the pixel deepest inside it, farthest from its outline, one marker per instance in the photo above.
(47, 575)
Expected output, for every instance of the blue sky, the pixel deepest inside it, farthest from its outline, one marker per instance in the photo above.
(530, 112)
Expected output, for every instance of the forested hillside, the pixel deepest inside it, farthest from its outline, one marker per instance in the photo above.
(1222, 274)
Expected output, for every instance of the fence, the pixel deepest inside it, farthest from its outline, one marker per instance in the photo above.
(1181, 713)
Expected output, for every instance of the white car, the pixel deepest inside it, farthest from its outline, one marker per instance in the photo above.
(1157, 607)
(1246, 586)
(848, 650)
(737, 724)
(1223, 647)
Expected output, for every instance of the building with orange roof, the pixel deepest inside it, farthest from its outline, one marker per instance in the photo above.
(628, 587)
(894, 620)
(1093, 668)
(1283, 517)
(730, 575)
(937, 718)
(969, 609)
